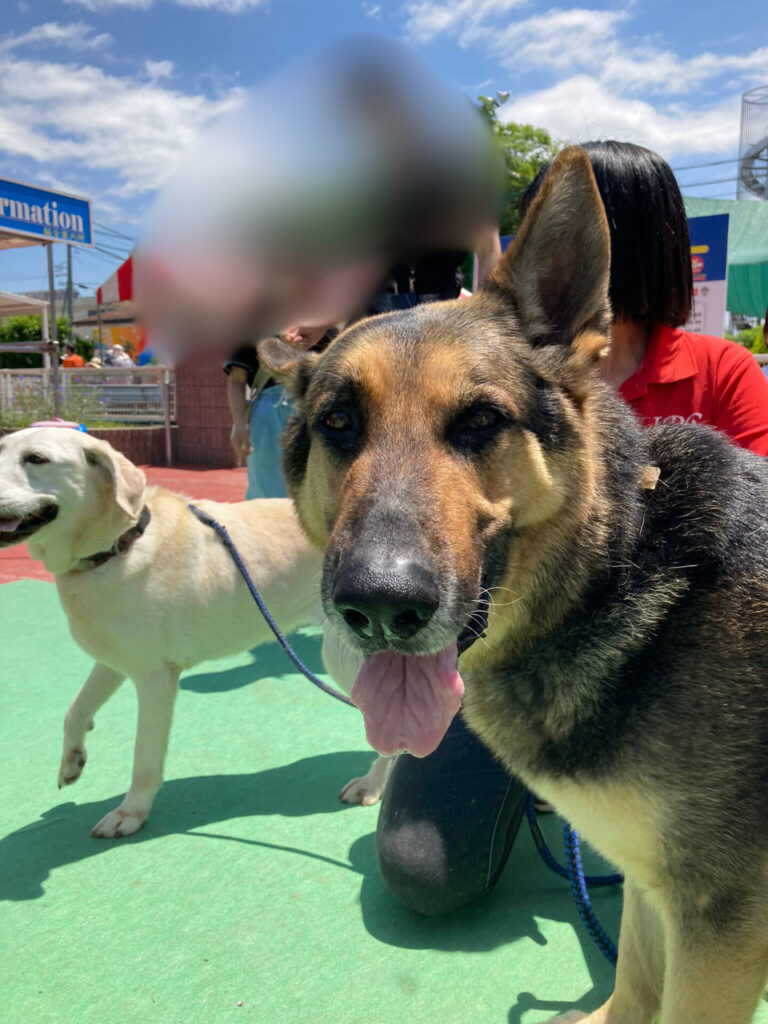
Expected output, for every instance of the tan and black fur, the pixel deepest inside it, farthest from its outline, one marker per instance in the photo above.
(625, 672)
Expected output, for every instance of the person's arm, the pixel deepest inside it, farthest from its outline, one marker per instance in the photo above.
(488, 253)
(740, 407)
(236, 382)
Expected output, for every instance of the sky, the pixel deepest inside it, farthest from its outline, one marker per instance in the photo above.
(101, 97)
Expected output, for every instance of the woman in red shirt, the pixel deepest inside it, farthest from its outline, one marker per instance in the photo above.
(440, 845)
(666, 374)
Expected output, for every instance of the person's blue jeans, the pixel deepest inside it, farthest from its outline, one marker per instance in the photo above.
(269, 415)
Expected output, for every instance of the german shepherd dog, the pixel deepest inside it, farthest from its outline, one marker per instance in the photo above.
(467, 446)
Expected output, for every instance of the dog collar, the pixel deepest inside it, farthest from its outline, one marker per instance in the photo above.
(476, 625)
(123, 544)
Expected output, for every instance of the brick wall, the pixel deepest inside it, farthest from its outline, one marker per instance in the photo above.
(144, 446)
(202, 415)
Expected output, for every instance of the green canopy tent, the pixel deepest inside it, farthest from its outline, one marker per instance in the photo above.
(747, 250)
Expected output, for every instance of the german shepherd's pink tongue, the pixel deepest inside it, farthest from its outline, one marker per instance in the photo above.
(408, 701)
(9, 525)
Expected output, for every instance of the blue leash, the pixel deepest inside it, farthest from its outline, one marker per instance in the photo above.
(242, 569)
(578, 881)
(574, 871)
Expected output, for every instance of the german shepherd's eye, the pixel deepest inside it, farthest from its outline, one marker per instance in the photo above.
(476, 427)
(340, 428)
(337, 420)
(35, 459)
(483, 419)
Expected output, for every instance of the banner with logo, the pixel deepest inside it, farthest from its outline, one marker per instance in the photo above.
(709, 263)
(42, 213)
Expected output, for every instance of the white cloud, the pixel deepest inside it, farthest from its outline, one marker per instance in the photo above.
(373, 10)
(581, 108)
(555, 40)
(602, 80)
(75, 36)
(157, 69)
(79, 118)
(425, 19)
(664, 71)
(97, 6)
(229, 6)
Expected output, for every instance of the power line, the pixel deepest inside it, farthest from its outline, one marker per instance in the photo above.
(113, 231)
(96, 255)
(715, 181)
(111, 245)
(711, 163)
(113, 239)
(118, 256)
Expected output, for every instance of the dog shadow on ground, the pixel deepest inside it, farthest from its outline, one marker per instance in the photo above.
(269, 660)
(63, 834)
(525, 894)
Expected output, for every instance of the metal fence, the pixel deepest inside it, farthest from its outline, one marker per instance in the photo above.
(135, 395)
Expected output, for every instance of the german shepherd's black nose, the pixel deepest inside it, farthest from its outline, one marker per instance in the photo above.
(396, 600)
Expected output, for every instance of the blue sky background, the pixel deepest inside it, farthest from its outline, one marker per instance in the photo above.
(100, 97)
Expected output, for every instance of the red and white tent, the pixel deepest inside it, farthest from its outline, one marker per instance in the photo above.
(118, 287)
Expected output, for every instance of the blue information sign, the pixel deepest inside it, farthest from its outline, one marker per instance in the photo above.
(709, 247)
(45, 214)
(709, 264)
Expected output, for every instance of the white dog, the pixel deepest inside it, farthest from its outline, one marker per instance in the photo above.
(114, 544)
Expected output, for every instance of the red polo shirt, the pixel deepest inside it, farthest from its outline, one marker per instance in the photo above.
(692, 378)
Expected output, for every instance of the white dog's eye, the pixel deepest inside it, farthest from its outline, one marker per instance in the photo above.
(35, 459)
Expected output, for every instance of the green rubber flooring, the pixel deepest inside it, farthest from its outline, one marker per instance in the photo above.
(251, 893)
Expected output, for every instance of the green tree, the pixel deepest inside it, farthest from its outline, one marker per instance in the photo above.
(30, 328)
(526, 149)
(752, 338)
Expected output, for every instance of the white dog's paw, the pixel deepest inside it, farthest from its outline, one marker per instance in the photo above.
(119, 823)
(365, 791)
(72, 764)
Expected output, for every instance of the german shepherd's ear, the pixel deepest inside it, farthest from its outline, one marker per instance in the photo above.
(556, 272)
(290, 366)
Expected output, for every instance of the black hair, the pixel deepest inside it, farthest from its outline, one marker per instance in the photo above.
(651, 279)
(71, 345)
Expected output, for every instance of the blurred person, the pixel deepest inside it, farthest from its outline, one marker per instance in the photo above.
(434, 276)
(117, 356)
(401, 162)
(71, 359)
(258, 421)
(448, 821)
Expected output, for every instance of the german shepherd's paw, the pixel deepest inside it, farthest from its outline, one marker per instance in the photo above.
(72, 763)
(568, 1018)
(119, 823)
(363, 791)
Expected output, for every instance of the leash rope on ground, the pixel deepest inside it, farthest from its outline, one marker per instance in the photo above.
(574, 872)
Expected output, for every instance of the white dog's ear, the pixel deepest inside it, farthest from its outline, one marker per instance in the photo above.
(126, 480)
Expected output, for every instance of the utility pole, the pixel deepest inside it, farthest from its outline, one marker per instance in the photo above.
(71, 330)
(53, 331)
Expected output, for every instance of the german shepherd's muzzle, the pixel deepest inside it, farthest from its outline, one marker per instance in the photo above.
(418, 458)
(468, 448)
